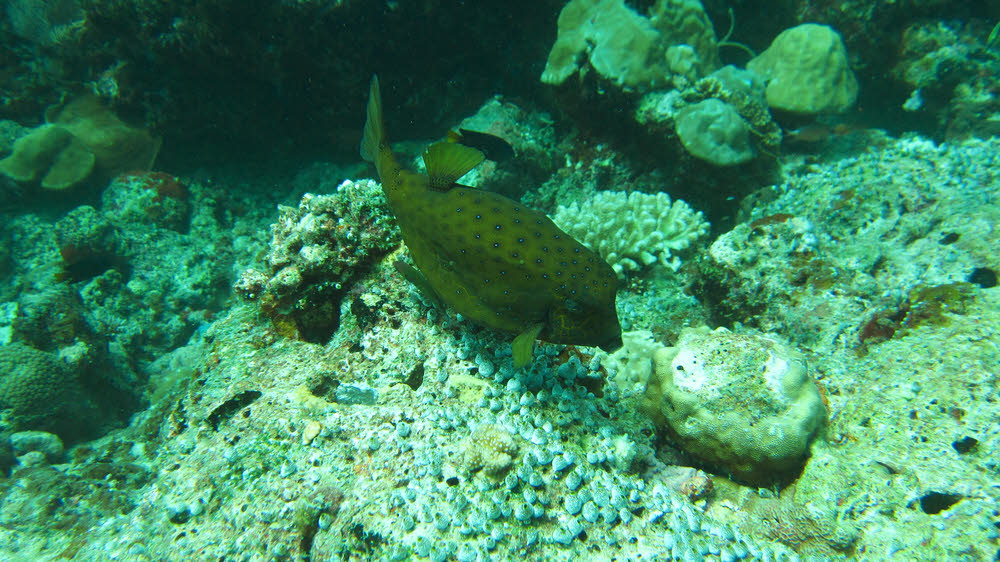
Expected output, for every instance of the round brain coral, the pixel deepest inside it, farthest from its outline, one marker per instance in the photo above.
(743, 403)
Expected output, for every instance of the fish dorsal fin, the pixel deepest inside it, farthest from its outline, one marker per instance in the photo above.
(447, 161)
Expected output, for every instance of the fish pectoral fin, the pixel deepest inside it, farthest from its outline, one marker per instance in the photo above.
(523, 345)
(447, 161)
(418, 280)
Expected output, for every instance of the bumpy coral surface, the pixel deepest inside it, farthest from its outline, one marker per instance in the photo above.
(633, 230)
(742, 402)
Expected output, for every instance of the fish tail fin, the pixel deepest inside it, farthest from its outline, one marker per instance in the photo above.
(374, 135)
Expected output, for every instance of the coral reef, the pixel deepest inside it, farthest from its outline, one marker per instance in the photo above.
(146, 415)
(317, 249)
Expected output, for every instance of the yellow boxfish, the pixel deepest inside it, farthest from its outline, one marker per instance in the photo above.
(494, 261)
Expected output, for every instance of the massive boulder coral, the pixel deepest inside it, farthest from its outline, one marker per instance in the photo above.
(807, 71)
(744, 403)
(39, 391)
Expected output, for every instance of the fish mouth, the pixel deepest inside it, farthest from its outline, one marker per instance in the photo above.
(613, 345)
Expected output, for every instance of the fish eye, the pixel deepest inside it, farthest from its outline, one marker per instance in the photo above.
(478, 236)
(521, 240)
(577, 250)
(458, 210)
(478, 217)
(496, 244)
(498, 227)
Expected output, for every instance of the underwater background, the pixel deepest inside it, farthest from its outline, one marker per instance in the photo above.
(211, 348)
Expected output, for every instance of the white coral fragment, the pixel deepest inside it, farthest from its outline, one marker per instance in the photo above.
(633, 230)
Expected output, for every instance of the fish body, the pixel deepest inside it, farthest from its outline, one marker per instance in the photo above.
(493, 260)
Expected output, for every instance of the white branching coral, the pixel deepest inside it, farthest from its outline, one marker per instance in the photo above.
(633, 230)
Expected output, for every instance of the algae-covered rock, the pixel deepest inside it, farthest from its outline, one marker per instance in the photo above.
(807, 71)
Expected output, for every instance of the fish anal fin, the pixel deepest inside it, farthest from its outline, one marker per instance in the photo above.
(447, 161)
(524, 344)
